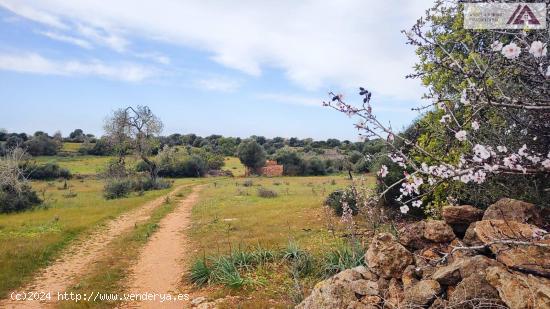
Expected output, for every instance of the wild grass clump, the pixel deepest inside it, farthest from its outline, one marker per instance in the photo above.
(248, 183)
(343, 257)
(302, 262)
(229, 270)
(266, 193)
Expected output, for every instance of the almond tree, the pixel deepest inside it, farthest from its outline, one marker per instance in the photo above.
(491, 90)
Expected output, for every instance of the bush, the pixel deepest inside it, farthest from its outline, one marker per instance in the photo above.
(46, 171)
(266, 193)
(11, 201)
(336, 200)
(315, 167)
(248, 183)
(362, 166)
(193, 166)
(117, 188)
(42, 145)
(293, 163)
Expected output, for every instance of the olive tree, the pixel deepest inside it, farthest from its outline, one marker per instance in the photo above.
(134, 129)
(251, 154)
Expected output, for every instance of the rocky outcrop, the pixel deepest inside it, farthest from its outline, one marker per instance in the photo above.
(514, 210)
(520, 291)
(348, 287)
(506, 265)
(460, 217)
(386, 257)
(422, 234)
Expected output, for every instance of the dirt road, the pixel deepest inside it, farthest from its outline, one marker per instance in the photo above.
(77, 259)
(159, 269)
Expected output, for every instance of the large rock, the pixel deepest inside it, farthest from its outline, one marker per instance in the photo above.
(528, 258)
(473, 290)
(386, 257)
(412, 235)
(393, 296)
(463, 268)
(438, 231)
(422, 293)
(460, 217)
(465, 214)
(341, 290)
(520, 291)
(514, 210)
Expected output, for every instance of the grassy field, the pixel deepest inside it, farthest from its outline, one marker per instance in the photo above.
(83, 165)
(232, 218)
(235, 166)
(32, 239)
(231, 215)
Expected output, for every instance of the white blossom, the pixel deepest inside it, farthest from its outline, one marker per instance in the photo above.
(479, 177)
(461, 135)
(496, 46)
(383, 172)
(404, 209)
(481, 153)
(523, 151)
(445, 118)
(546, 164)
(538, 49)
(475, 125)
(511, 51)
(464, 97)
(417, 203)
(502, 149)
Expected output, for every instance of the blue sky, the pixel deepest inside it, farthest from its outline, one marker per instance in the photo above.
(235, 68)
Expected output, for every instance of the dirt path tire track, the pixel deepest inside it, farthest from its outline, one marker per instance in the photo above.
(76, 260)
(160, 266)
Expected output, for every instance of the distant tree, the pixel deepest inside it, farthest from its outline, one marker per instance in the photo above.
(42, 145)
(332, 142)
(251, 154)
(137, 129)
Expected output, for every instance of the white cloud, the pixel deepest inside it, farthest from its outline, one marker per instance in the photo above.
(108, 39)
(67, 39)
(34, 63)
(31, 13)
(317, 43)
(156, 57)
(218, 83)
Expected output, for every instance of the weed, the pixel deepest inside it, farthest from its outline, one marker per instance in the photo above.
(200, 272)
(248, 183)
(266, 193)
(343, 257)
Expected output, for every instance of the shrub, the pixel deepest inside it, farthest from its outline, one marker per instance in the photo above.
(42, 145)
(266, 193)
(117, 188)
(193, 166)
(315, 167)
(362, 166)
(248, 183)
(11, 201)
(336, 200)
(46, 171)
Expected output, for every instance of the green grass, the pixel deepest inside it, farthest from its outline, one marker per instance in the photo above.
(83, 165)
(108, 274)
(292, 227)
(30, 240)
(230, 215)
(71, 147)
(234, 165)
